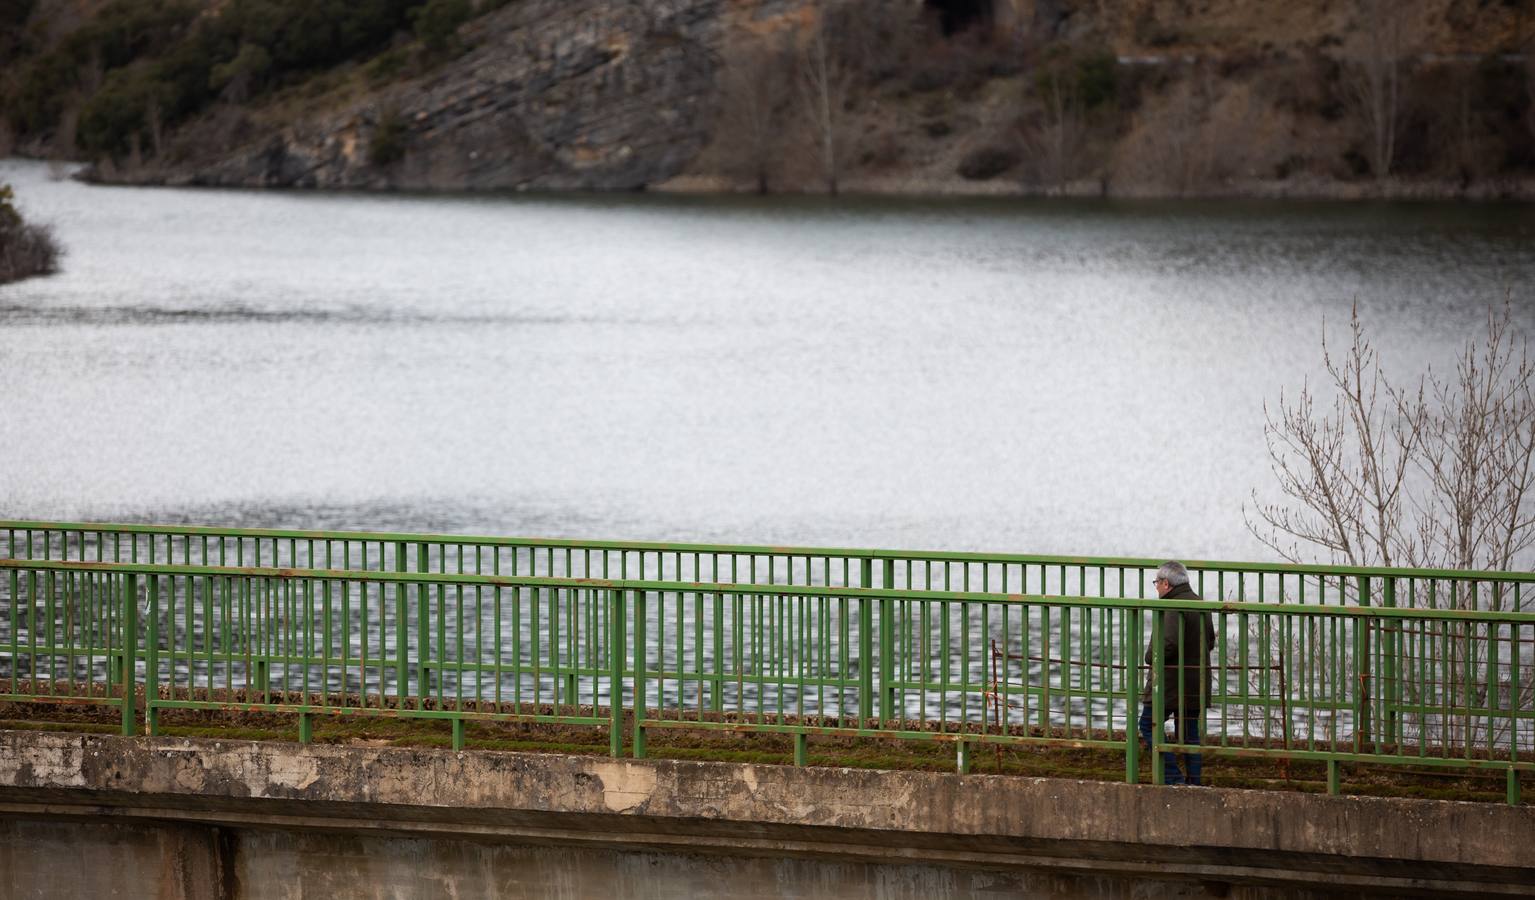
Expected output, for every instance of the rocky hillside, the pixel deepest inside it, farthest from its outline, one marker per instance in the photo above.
(1129, 97)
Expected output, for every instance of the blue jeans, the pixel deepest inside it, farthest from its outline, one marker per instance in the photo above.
(1189, 727)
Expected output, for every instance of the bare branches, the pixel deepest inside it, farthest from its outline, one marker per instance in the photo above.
(1344, 470)
(1374, 83)
(1439, 473)
(1055, 142)
(756, 90)
(1479, 455)
(825, 79)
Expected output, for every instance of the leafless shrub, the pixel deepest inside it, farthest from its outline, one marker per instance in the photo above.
(1055, 141)
(756, 91)
(1175, 148)
(64, 146)
(1439, 473)
(825, 82)
(154, 117)
(1529, 89)
(1373, 84)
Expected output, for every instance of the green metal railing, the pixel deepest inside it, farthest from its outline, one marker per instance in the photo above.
(1338, 682)
(761, 565)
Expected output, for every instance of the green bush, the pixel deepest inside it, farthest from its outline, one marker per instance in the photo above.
(111, 119)
(437, 22)
(387, 66)
(1097, 79)
(1091, 81)
(387, 145)
(246, 74)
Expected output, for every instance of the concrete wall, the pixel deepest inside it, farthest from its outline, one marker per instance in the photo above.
(43, 859)
(109, 816)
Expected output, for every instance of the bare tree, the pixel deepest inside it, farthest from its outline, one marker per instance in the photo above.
(65, 146)
(1463, 127)
(1440, 473)
(825, 81)
(1189, 150)
(1374, 83)
(154, 120)
(1174, 148)
(1055, 141)
(1529, 88)
(1343, 467)
(756, 90)
(1437, 474)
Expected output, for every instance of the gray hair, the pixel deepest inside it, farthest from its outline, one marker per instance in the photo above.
(1173, 573)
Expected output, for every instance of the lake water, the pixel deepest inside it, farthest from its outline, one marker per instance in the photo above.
(1050, 377)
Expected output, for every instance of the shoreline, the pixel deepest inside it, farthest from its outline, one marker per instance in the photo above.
(1511, 191)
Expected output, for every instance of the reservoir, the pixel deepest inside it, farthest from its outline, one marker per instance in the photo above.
(1075, 377)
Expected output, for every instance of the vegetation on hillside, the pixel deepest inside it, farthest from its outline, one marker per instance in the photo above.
(1144, 102)
(868, 95)
(116, 84)
(25, 250)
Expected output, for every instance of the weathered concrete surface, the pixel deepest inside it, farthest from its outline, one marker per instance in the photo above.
(1066, 829)
(43, 859)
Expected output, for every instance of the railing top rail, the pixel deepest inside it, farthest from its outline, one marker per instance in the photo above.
(1260, 568)
(776, 590)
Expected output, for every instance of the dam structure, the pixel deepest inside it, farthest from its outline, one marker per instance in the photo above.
(142, 669)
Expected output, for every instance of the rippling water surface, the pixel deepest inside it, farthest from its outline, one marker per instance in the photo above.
(1069, 377)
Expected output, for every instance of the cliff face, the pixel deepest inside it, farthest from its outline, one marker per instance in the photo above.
(556, 94)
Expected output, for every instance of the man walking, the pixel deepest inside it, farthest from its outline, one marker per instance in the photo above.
(1188, 636)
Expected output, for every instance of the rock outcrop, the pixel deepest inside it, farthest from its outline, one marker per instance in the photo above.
(555, 95)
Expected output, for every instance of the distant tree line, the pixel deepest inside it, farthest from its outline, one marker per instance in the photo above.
(118, 81)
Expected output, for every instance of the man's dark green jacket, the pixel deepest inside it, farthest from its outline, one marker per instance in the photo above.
(1188, 637)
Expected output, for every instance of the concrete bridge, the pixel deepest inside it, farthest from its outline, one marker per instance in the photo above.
(108, 816)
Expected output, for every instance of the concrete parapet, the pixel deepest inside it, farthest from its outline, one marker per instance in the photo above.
(1297, 843)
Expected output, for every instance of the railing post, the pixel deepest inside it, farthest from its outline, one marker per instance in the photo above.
(866, 650)
(716, 686)
(574, 602)
(1362, 670)
(887, 674)
(1157, 677)
(962, 756)
(401, 631)
(639, 674)
(130, 639)
(1390, 686)
(1132, 648)
(423, 629)
(616, 651)
(1513, 786)
(152, 661)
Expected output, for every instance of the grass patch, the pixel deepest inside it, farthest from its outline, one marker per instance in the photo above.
(1089, 764)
